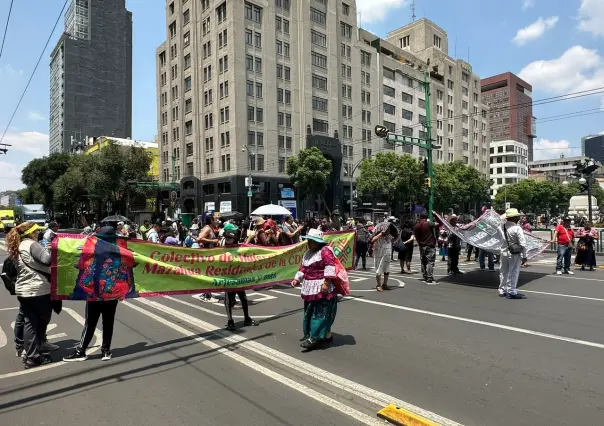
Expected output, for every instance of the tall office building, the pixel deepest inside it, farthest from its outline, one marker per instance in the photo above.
(511, 109)
(91, 74)
(593, 147)
(243, 85)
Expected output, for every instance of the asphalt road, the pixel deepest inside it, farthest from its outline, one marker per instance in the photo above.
(454, 349)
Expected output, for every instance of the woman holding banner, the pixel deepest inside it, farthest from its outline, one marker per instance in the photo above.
(322, 277)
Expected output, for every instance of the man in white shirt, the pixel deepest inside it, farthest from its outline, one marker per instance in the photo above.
(153, 235)
(511, 256)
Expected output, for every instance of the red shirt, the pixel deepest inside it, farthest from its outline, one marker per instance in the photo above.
(565, 236)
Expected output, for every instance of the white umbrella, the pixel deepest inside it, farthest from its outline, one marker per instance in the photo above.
(271, 210)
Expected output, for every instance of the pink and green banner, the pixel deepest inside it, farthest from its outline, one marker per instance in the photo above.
(94, 269)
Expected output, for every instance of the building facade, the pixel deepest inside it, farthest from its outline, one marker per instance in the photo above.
(91, 74)
(509, 163)
(555, 169)
(593, 147)
(509, 99)
(244, 85)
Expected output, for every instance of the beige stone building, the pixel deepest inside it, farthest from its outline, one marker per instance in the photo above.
(241, 84)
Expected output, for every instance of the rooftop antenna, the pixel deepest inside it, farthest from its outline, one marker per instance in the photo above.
(413, 10)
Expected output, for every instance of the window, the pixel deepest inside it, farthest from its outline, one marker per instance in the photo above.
(172, 29)
(257, 39)
(260, 160)
(366, 116)
(318, 38)
(223, 64)
(187, 61)
(225, 139)
(225, 166)
(464, 91)
(450, 84)
(388, 73)
(258, 90)
(319, 82)
(345, 30)
(209, 121)
(259, 139)
(222, 39)
(389, 109)
(407, 115)
(253, 13)
(464, 104)
(249, 62)
(186, 39)
(283, 4)
(258, 64)
(405, 42)
(389, 91)
(365, 78)
(421, 103)
(221, 12)
(407, 98)
(259, 115)
(278, 23)
(162, 59)
(365, 58)
(436, 41)
(319, 60)
(189, 149)
(224, 90)
(465, 77)
(249, 37)
(224, 115)
(321, 126)
(390, 126)
(439, 95)
(188, 83)
(188, 106)
(281, 165)
(288, 97)
(319, 104)
(365, 97)
(249, 88)
(186, 17)
(345, 9)
(317, 16)
(207, 73)
(288, 121)
(285, 26)
(189, 127)
(279, 47)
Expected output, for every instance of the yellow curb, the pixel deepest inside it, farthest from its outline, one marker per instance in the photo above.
(401, 417)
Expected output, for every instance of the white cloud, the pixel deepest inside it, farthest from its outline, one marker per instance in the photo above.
(10, 176)
(578, 69)
(527, 4)
(535, 30)
(9, 71)
(33, 143)
(591, 17)
(35, 116)
(377, 10)
(544, 149)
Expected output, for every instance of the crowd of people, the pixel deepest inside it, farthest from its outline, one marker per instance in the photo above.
(28, 247)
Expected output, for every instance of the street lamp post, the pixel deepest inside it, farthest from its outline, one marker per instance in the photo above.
(351, 176)
(586, 170)
(426, 144)
(248, 182)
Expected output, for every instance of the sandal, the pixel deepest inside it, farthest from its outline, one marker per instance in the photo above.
(231, 326)
(379, 288)
(386, 287)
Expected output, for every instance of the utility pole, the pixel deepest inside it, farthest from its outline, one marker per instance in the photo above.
(351, 176)
(425, 144)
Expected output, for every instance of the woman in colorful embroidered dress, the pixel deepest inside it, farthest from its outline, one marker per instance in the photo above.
(586, 255)
(316, 275)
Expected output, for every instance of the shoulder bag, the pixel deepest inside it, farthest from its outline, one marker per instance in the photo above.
(513, 248)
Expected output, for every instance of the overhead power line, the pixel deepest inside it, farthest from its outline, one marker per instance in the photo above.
(10, 8)
(34, 71)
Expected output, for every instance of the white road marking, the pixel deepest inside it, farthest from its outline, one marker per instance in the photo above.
(3, 340)
(299, 387)
(56, 336)
(574, 277)
(366, 393)
(95, 347)
(9, 309)
(562, 295)
(209, 311)
(485, 323)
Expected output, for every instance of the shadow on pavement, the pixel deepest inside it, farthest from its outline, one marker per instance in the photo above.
(486, 279)
(294, 311)
(60, 392)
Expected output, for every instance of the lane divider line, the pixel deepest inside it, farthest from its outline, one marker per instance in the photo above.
(299, 387)
(368, 394)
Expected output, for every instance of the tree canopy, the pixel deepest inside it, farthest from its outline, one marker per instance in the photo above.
(309, 172)
(458, 183)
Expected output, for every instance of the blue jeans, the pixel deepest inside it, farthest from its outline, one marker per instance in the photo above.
(563, 256)
(489, 255)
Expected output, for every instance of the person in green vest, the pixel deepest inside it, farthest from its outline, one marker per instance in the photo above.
(144, 228)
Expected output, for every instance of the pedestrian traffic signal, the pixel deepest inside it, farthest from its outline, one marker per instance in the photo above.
(428, 183)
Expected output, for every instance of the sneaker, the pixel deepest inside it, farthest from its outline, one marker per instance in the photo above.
(75, 356)
(558, 272)
(20, 352)
(105, 355)
(515, 296)
(48, 347)
(569, 272)
(431, 282)
(44, 360)
(502, 294)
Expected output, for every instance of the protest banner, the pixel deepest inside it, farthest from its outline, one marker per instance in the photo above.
(486, 233)
(95, 269)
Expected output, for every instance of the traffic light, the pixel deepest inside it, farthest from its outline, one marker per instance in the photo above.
(427, 183)
(381, 131)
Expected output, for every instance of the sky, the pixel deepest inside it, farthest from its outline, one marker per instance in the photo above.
(555, 45)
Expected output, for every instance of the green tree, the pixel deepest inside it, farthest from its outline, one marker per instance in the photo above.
(391, 177)
(41, 173)
(456, 184)
(309, 172)
(30, 195)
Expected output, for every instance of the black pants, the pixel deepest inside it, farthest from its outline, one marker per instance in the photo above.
(472, 249)
(93, 311)
(229, 302)
(361, 253)
(453, 261)
(37, 312)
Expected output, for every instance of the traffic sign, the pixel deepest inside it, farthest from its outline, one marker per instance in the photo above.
(249, 193)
